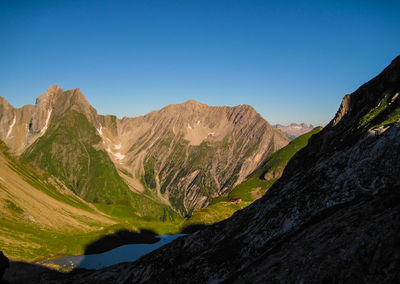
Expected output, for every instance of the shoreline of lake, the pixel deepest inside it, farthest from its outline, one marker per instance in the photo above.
(124, 253)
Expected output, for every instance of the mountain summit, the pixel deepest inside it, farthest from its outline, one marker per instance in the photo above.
(20, 127)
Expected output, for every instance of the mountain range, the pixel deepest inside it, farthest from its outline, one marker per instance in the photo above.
(70, 175)
(182, 155)
(333, 216)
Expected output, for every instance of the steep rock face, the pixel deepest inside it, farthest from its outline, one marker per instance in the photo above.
(70, 148)
(333, 216)
(190, 153)
(20, 127)
(15, 126)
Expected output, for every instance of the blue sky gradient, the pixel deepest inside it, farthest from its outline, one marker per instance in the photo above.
(292, 61)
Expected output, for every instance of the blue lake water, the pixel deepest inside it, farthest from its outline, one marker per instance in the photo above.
(120, 254)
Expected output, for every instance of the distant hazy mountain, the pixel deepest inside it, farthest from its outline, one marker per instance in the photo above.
(294, 130)
(333, 216)
(182, 156)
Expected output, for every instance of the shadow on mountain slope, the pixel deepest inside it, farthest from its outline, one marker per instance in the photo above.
(190, 229)
(119, 238)
(24, 272)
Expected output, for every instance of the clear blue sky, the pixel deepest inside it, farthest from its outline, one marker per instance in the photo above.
(293, 61)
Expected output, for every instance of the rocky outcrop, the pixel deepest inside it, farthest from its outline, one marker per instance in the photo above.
(21, 127)
(333, 216)
(15, 126)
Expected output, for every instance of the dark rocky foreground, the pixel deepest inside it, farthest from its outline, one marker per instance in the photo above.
(4, 264)
(334, 216)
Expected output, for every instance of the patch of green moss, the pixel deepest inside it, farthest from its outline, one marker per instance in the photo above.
(13, 207)
(376, 111)
(126, 173)
(387, 112)
(149, 175)
(391, 117)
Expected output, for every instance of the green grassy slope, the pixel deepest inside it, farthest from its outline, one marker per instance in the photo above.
(67, 151)
(41, 219)
(386, 112)
(254, 187)
(275, 163)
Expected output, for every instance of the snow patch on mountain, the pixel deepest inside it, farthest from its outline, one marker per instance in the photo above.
(11, 126)
(99, 130)
(46, 125)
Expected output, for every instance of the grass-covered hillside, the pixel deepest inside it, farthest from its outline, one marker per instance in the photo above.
(386, 112)
(40, 218)
(67, 151)
(255, 186)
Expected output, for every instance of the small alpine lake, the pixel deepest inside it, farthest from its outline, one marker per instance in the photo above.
(124, 253)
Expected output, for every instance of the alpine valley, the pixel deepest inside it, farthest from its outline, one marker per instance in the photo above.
(256, 207)
(332, 217)
(69, 175)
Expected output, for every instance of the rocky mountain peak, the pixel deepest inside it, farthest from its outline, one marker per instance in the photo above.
(3, 101)
(53, 88)
(369, 95)
(56, 97)
(48, 96)
(373, 105)
(192, 102)
(79, 97)
(188, 106)
(20, 127)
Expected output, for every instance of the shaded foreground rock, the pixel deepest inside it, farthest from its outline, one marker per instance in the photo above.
(4, 263)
